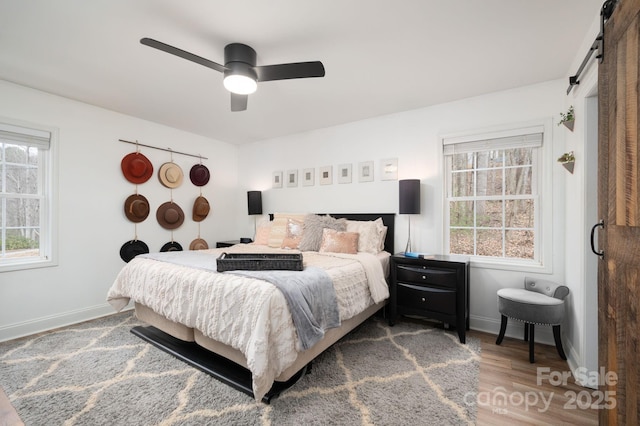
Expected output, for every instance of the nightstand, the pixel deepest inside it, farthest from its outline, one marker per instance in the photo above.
(222, 244)
(435, 287)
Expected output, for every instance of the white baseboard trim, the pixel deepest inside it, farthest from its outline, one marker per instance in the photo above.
(38, 325)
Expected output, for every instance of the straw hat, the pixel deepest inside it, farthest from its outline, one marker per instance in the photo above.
(170, 175)
(170, 215)
(198, 244)
(136, 208)
(171, 246)
(136, 168)
(132, 248)
(199, 175)
(201, 209)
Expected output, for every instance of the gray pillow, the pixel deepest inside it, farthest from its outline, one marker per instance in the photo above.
(312, 230)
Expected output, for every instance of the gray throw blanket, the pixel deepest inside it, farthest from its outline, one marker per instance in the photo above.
(311, 299)
(309, 293)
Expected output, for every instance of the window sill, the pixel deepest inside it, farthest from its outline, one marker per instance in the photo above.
(27, 264)
(509, 265)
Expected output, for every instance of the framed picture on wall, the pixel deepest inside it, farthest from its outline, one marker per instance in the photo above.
(365, 171)
(292, 178)
(276, 180)
(389, 169)
(326, 175)
(344, 173)
(308, 177)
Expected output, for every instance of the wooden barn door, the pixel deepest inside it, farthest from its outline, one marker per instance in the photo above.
(619, 207)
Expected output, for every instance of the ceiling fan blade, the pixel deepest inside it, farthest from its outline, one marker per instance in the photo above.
(239, 102)
(182, 54)
(292, 70)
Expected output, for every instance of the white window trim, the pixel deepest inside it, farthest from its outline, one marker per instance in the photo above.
(49, 229)
(544, 213)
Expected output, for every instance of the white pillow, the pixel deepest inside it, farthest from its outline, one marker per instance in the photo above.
(279, 227)
(372, 234)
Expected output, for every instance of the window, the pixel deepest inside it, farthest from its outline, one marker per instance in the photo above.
(26, 234)
(493, 200)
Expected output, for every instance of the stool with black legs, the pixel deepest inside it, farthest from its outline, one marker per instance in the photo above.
(539, 302)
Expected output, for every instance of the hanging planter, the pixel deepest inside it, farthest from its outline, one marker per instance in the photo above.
(567, 118)
(568, 161)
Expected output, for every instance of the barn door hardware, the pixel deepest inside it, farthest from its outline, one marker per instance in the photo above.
(598, 44)
(593, 231)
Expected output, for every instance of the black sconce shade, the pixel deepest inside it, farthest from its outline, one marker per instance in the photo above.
(409, 196)
(254, 201)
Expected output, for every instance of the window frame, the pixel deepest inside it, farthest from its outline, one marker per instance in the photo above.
(542, 179)
(48, 210)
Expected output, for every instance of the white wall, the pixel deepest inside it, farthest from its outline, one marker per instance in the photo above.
(581, 209)
(414, 138)
(92, 190)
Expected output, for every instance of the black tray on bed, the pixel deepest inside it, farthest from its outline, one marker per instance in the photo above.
(259, 261)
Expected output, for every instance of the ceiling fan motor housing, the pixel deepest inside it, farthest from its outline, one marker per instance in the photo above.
(240, 59)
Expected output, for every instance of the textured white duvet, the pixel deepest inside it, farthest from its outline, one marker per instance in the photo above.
(248, 314)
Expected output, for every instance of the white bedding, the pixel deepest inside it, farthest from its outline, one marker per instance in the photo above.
(248, 314)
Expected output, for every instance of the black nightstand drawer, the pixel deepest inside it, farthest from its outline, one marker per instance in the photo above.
(425, 275)
(426, 298)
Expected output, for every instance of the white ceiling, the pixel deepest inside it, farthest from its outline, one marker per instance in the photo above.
(380, 56)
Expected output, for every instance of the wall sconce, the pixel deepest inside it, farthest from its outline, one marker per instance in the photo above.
(409, 202)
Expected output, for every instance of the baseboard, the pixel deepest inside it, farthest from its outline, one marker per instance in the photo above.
(38, 325)
(515, 329)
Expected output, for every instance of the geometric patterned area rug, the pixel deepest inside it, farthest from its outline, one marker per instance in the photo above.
(98, 373)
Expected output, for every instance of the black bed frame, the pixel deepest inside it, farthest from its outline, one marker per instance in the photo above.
(228, 371)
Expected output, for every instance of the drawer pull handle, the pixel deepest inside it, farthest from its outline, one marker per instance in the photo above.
(424, 299)
(424, 277)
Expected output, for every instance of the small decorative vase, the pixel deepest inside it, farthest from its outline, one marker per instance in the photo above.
(569, 124)
(569, 166)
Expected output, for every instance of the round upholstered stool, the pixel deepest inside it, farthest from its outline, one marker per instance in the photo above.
(539, 302)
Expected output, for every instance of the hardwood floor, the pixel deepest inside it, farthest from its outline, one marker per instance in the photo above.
(507, 379)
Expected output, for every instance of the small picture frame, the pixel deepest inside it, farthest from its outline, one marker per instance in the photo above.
(308, 177)
(389, 169)
(365, 171)
(292, 178)
(276, 180)
(344, 173)
(326, 175)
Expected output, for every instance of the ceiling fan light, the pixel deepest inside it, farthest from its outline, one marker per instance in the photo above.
(240, 84)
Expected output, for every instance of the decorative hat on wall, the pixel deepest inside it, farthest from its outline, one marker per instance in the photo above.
(201, 209)
(136, 168)
(171, 246)
(170, 215)
(136, 208)
(170, 175)
(132, 248)
(198, 244)
(199, 175)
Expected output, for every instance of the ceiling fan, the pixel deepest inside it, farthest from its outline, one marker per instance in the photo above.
(241, 74)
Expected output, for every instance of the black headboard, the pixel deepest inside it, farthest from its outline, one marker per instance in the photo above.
(389, 220)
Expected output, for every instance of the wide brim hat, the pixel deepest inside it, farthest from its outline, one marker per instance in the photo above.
(136, 168)
(171, 246)
(132, 248)
(136, 208)
(201, 209)
(170, 215)
(170, 175)
(199, 175)
(198, 244)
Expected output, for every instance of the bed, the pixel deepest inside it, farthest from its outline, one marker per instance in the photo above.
(237, 326)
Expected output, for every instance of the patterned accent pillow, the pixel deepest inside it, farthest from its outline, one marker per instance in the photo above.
(372, 234)
(294, 234)
(339, 242)
(279, 227)
(312, 230)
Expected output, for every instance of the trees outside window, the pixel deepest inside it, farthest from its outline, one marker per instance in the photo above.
(492, 200)
(25, 196)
